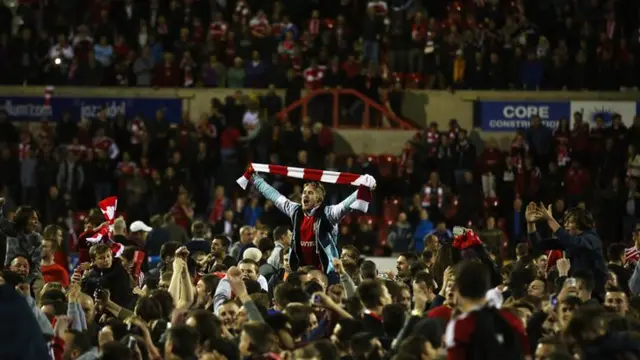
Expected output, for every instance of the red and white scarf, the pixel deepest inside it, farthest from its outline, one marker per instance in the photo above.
(429, 192)
(365, 183)
(108, 207)
(314, 27)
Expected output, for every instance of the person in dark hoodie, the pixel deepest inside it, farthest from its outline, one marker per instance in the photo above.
(19, 329)
(107, 273)
(578, 239)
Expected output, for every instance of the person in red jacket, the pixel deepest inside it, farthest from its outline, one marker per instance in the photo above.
(93, 223)
(182, 211)
(481, 328)
(576, 182)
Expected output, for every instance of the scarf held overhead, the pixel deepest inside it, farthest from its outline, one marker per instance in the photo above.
(365, 183)
(108, 207)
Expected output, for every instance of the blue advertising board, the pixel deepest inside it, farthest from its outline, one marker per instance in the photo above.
(33, 108)
(516, 115)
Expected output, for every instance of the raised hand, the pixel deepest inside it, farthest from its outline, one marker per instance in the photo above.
(545, 212)
(337, 265)
(182, 253)
(73, 292)
(531, 213)
(322, 300)
(237, 284)
(563, 266)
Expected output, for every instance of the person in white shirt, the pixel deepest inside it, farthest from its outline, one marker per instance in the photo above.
(62, 51)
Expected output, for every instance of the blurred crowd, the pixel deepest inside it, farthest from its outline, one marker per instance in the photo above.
(488, 44)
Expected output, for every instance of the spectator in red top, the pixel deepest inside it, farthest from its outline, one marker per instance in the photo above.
(229, 142)
(259, 26)
(324, 136)
(52, 272)
(577, 181)
(167, 74)
(93, 223)
(120, 48)
(490, 162)
(54, 233)
(481, 322)
(351, 67)
(314, 75)
(315, 24)
(182, 211)
(218, 205)
(218, 28)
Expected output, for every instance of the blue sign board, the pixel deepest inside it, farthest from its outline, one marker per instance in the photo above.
(516, 115)
(33, 108)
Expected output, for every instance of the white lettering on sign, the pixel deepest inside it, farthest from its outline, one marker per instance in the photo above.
(509, 124)
(307, 243)
(525, 111)
(112, 109)
(26, 110)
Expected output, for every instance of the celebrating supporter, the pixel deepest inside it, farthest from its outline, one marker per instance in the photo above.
(459, 248)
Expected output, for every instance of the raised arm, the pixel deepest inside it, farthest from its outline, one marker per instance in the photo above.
(285, 205)
(222, 294)
(335, 213)
(568, 241)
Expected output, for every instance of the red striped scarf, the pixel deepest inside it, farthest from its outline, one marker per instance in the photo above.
(108, 207)
(430, 193)
(631, 255)
(363, 196)
(314, 27)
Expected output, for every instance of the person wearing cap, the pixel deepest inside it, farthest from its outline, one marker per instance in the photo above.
(138, 238)
(254, 254)
(140, 227)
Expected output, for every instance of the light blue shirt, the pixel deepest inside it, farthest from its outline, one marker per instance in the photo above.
(104, 54)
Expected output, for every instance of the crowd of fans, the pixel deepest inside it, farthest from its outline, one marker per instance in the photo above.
(499, 256)
(450, 44)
